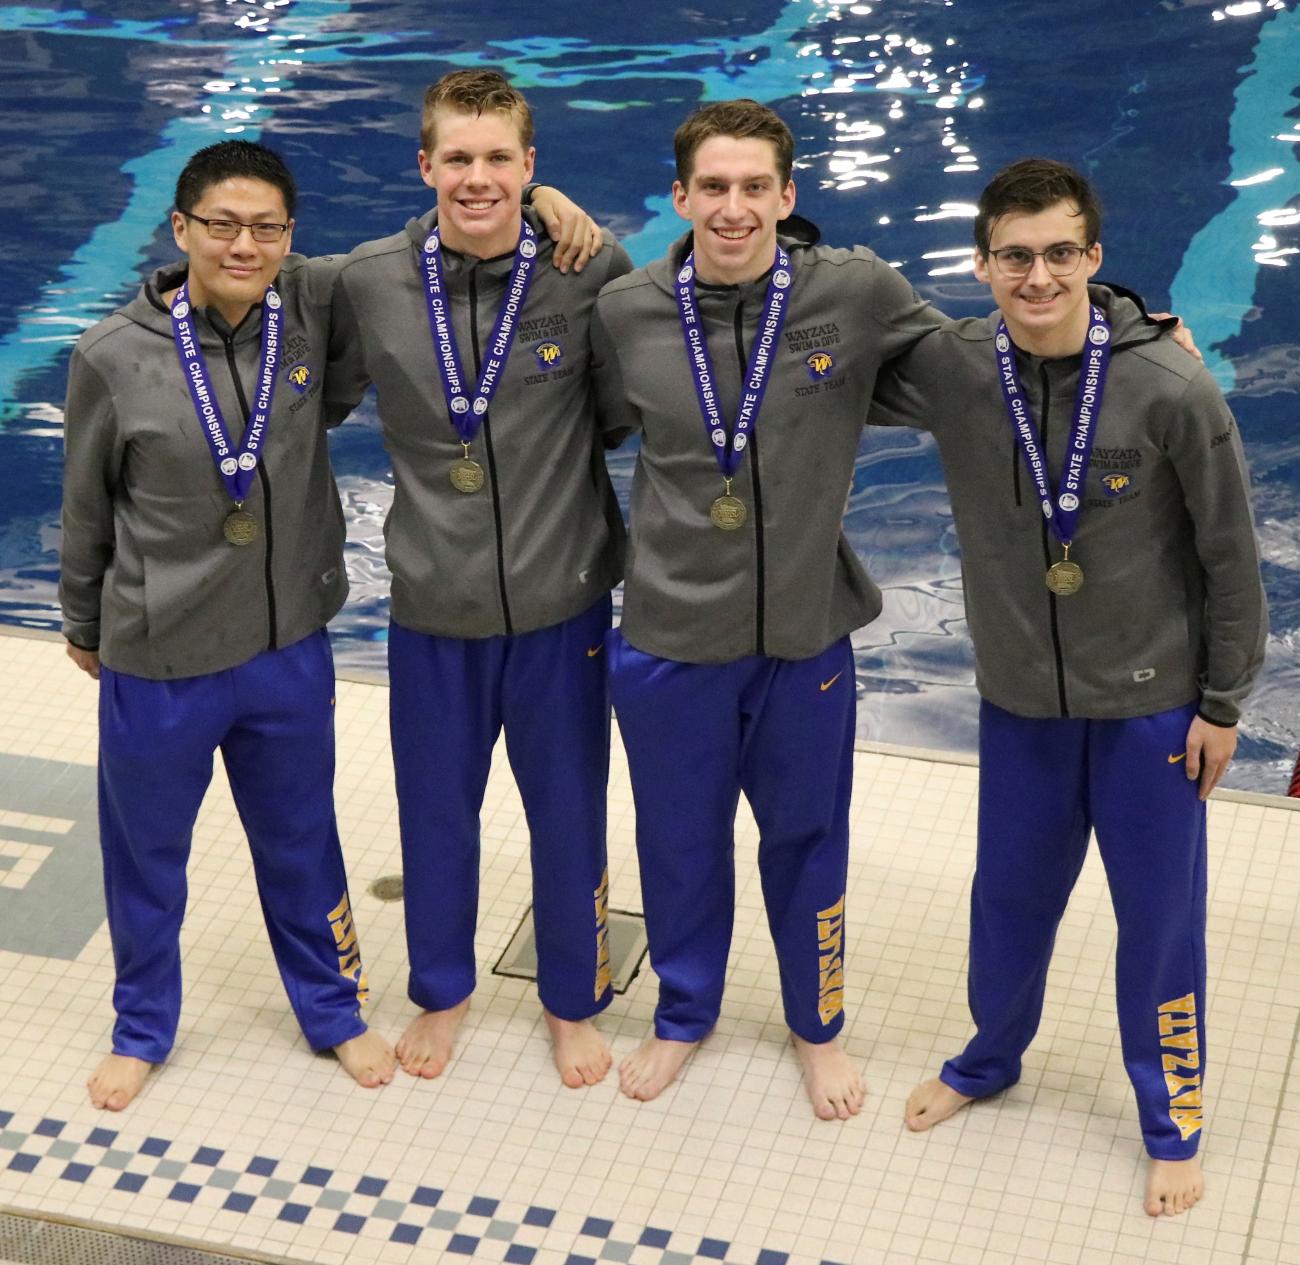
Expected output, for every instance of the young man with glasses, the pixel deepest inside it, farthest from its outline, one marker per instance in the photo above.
(504, 540)
(202, 556)
(1112, 586)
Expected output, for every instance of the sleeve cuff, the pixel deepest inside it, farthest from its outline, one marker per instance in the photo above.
(1218, 724)
(83, 636)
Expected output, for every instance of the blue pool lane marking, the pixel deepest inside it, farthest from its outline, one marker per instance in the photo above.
(1215, 285)
(105, 268)
(769, 65)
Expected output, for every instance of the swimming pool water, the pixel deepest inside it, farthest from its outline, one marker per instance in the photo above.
(1185, 114)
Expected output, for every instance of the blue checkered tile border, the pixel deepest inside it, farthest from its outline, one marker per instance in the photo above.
(327, 1199)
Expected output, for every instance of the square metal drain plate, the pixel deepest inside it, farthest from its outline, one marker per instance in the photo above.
(627, 949)
(31, 1240)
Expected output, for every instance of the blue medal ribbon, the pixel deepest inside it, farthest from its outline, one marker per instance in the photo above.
(1061, 512)
(468, 416)
(236, 466)
(730, 452)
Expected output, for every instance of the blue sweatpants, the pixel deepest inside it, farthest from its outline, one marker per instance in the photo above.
(273, 720)
(696, 735)
(1045, 785)
(449, 699)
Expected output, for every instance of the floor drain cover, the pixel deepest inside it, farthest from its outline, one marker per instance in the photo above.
(627, 949)
(29, 1240)
(389, 887)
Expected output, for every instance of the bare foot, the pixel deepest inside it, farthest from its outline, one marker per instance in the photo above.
(646, 1073)
(117, 1080)
(368, 1059)
(425, 1047)
(831, 1078)
(581, 1053)
(1173, 1186)
(930, 1103)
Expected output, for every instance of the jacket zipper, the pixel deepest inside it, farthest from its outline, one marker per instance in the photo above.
(1047, 553)
(758, 486)
(491, 456)
(264, 479)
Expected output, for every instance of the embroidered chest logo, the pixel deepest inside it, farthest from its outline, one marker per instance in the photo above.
(819, 363)
(1115, 484)
(300, 377)
(549, 354)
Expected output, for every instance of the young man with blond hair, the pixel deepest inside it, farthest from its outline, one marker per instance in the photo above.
(1112, 586)
(504, 541)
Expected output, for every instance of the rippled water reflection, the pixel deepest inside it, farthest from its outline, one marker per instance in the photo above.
(1184, 113)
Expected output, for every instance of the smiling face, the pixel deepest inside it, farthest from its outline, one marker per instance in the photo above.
(733, 199)
(1046, 315)
(233, 275)
(478, 167)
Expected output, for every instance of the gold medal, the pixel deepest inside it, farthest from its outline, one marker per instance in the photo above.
(1065, 577)
(240, 527)
(728, 512)
(466, 474)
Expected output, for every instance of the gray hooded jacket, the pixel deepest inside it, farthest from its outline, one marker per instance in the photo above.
(1172, 609)
(543, 539)
(785, 584)
(147, 577)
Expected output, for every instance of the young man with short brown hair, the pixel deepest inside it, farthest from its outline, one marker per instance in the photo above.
(732, 669)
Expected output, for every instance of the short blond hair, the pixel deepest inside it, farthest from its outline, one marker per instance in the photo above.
(474, 92)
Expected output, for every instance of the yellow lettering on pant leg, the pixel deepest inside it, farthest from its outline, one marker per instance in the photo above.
(1176, 1023)
(830, 1004)
(349, 951)
(1176, 1084)
(830, 961)
(603, 977)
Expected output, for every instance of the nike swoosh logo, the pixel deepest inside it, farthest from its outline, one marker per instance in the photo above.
(827, 684)
(1173, 759)
(594, 651)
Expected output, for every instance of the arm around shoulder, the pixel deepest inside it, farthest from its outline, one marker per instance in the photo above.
(616, 415)
(346, 375)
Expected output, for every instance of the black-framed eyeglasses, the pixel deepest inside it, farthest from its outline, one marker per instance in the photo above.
(228, 230)
(1018, 261)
